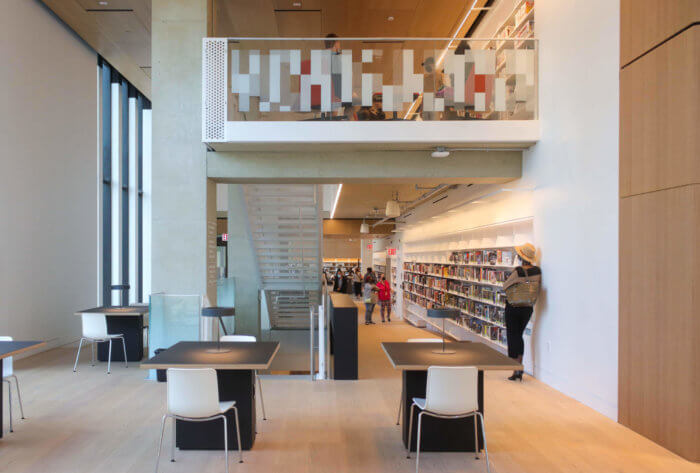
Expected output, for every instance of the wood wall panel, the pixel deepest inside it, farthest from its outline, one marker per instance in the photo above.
(659, 356)
(646, 23)
(659, 106)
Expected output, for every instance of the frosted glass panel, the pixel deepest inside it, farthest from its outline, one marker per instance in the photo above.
(172, 319)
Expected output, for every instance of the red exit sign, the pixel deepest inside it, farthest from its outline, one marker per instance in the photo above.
(369, 246)
(224, 237)
(391, 251)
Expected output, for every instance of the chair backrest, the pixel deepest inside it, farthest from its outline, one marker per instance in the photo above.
(193, 392)
(238, 338)
(6, 362)
(451, 390)
(94, 325)
(424, 340)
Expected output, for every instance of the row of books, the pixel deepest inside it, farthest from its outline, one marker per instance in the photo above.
(419, 300)
(475, 274)
(492, 257)
(492, 313)
(436, 295)
(483, 293)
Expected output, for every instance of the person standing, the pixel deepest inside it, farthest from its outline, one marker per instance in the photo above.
(369, 290)
(339, 281)
(522, 288)
(357, 282)
(370, 274)
(384, 295)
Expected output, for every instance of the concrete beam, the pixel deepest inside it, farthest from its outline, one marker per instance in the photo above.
(461, 167)
(350, 228)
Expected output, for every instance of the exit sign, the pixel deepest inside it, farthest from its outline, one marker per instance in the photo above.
(391, 251)
(224, 237)
(369, 246)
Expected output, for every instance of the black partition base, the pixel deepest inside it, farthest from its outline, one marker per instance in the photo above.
(131, 326)
(438, 435)
(343, 335)
(234, 385)
(2, 402)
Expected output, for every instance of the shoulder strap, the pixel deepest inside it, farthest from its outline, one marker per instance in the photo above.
(521, 271)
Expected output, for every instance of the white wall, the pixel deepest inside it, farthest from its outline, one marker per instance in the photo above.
(49, 176)
(573, 176)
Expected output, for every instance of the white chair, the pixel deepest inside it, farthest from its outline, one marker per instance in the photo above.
(413, 340)
(451, 392)
(95, 331)
(8, 373)
(193, 396)
(247, 338)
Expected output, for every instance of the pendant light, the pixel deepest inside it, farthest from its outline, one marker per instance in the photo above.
(364, 228)
(393, 209)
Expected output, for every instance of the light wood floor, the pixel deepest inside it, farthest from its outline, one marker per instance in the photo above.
(91, 422)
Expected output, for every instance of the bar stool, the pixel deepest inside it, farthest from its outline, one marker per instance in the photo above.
(451, 392)
(413, 340)
(7, 373)
(247, 338)
(193, 396)
(95, 331)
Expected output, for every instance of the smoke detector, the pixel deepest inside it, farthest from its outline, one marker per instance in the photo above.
(440, 152)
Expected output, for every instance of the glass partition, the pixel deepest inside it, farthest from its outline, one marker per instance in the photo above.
(381, 79)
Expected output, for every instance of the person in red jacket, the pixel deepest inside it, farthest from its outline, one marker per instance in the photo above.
(384, 298)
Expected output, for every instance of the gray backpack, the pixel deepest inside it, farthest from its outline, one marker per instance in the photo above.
(524, 293)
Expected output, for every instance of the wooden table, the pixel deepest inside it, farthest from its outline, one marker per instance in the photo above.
(8, 349)
(235, 372)
(442, 435)
(126, 320)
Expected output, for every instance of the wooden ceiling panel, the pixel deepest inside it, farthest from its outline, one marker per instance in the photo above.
(141, 8)
(297, 4)
(244, 18)
(126, 30)
(298, 23)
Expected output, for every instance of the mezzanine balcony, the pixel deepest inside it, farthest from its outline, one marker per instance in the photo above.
(274, 94)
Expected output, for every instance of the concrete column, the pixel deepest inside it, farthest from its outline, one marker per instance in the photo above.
(181, 200)
(243, 264)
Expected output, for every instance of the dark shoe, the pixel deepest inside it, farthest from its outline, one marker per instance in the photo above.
(516, 376)
(372, 322)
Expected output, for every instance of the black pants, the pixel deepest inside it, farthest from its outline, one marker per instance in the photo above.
(516, 321)
(357, 286)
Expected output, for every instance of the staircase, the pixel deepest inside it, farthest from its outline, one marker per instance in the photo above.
(285, 225)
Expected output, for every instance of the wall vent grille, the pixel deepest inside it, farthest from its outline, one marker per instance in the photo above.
(214, 70)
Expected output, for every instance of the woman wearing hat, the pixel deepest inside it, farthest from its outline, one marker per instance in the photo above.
(522, 288)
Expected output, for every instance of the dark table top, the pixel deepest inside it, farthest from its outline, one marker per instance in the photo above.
(16, 347)
(419, 356)
(243, 356)
(116, 311)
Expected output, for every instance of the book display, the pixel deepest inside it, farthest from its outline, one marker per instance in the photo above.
(471, 281)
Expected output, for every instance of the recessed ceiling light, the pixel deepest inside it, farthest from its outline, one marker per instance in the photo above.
(476, 202)
(389, 18)
(451, 211)
(103, 3)
(296, 4)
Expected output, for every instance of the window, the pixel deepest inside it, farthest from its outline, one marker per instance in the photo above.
(125, 161)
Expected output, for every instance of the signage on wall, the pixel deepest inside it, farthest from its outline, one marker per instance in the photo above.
(224, 237)
(369, 246)
(391, 251)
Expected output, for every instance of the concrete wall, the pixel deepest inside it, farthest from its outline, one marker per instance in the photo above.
(49, 198)
(180, 196)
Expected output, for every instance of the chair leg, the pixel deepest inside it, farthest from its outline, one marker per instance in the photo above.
(410, 431)
(19, 395)
(420, 421)
(109, 357)
(476, 438)
(483, 434)
(77, 357)
(398, 417)
(92, 350)
(225, 442)
(126, 362)
(9, 400)
(262, 402)
(238, 436)
(172, 447)
(160, 444)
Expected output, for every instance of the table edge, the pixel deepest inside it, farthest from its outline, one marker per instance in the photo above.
(223, 366)
(22, 350)
(425, 367)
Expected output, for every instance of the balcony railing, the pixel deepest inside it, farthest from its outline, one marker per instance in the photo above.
(363, 79)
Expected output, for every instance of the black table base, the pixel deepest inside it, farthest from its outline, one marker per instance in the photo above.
(234, 385)
(131, 326)
(438, 435)
(2, 401)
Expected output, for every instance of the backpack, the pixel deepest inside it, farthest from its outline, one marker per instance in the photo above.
(524, 293)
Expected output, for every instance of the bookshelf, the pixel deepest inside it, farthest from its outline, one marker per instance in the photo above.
(471, 281)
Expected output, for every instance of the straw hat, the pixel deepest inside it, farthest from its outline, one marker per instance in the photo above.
(526, 252)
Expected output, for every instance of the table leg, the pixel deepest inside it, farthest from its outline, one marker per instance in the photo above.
(223, 327)
(132, 329)
(234, 385)
(438, 435)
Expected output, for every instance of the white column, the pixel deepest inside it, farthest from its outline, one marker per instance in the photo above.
(146, 220)
(133, 201)
(116, 194)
